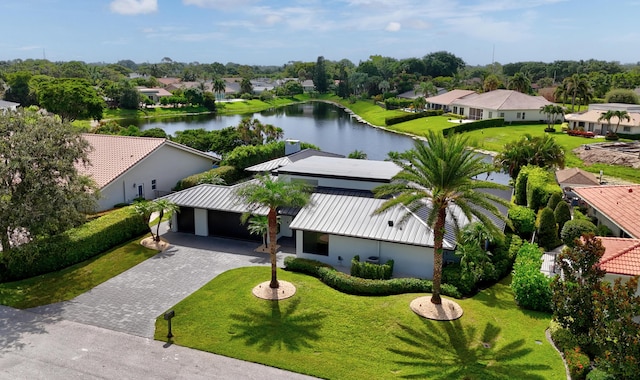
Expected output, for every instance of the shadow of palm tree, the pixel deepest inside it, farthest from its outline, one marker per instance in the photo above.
(447, 350)
(269, 326)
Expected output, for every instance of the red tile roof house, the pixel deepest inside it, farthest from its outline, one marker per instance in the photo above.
(617, 207)
(126, 167)
(621, 258)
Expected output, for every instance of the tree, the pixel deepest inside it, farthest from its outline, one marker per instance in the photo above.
(245, 86)
(145, 208)
(520, 82)
(71, 99)
(542, 151)
(577, 86)
(547, 230)
(19, 90)
(491, 83)
(272, 193)
(442, 64)
(358, 155)
(427, 89)
(562, 214)
(253, 132)
(41, 191)
(552, 111)
(219, 87)
(419, 103)
(621, 96)
(439, 176)
(573, 291)
(162, 207)
(320, 76)
(618, 114)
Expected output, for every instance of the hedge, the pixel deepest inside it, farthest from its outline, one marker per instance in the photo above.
(370, 270)
(56, 252)
(475, 125)
(530, 287)
(574, 229)
(540, 186)
(411, 116)
(520, 190)
(523, 219)
(227, 173)
(248, 155)
(395, 103)
(547, 230)
(360, 286)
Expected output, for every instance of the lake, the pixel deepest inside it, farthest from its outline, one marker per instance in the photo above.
(322, 124)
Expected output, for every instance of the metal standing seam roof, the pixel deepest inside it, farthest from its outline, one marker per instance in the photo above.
(620, 204)
(212, 197)
(345, 168)
(621, 256)
(284, 161)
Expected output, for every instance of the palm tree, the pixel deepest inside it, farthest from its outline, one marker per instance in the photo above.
(384, 86)
(163, 206)
(552, 111)
(578, 86)
(219, 87)
(560, 92)
(427, 89)
(542, 151)
(145, 209)
(491, 83)
(358, 155)
(610, 114)
(419, 103)
(520, 83)
(259, 225)
(271, 193)
(438, 175)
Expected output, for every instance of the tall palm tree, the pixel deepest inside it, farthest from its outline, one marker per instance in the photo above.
(219, 87)
(610, 114)
(560, 92)
(438, 175)
(163, 206)
(419, 103)
(578, 87)
(552, 111)
(520, 83)
(271, 193)
(427, 89)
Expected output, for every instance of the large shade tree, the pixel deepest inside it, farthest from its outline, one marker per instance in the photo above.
(41, 191)
(438, 176)
(268, 192)
(71, 99)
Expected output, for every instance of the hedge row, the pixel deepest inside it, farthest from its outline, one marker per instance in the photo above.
(540, 186)
(480, 124)
(228, 174)
(248, 155)
(411, 116)
(531, 288)
(360, 286)
(395, 103)
(371, 271)
(73, 246)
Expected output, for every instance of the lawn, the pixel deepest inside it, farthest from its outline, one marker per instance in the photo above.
(328, 334)
(75, 280)
(367, 110)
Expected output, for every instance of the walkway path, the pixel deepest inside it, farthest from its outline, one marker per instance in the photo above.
(132, 301)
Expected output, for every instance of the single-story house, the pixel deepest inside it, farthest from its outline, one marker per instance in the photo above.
(154, 93)
(444, 101)
(338, 224)
(169, 80)
(508, 104)
(588, 120)
(576, 177)
(621, 258)
(617, 207)
(290, 158)
(7, 105)
(126, 167)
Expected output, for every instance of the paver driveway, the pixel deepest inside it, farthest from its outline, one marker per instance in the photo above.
(131, 301)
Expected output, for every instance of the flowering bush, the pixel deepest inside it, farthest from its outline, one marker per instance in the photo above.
(577, 132)
(578, 363)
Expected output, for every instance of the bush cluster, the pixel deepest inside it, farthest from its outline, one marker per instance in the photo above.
(523, 220)
(531, 288)
(575, 228)
(370, 270)
(577, 132)
(578, 363)
(56, 252)
(360, 286)
(227, 173)
(540, 187)
(411, 116)
(395, 103)
(547, 230)
(248, 155)
(480, 124)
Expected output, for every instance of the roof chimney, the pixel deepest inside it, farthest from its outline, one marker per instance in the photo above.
(291, 146)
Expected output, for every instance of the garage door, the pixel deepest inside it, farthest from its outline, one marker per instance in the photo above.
(227, 224)
(185, 220)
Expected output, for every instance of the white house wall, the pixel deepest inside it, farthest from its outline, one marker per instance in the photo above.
(611, 277)
(201, 221)
(409, 261)
(167, 165)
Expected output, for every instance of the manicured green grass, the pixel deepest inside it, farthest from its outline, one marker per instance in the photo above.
(328, 334)
(420, 127)
(251, 106)
(367, 110)
(75, 280)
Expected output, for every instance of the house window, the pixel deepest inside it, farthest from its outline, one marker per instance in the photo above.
(518, 115)
(523, 116)
(455, 109)
(153, 184)
(490, 115)
(502, 115)
(461, 111)
(315, 243)
(626, 129)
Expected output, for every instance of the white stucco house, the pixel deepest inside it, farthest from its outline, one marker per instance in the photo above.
(155, 94)
(338, 224)
(615, 206)
(588, 120)
(125, 167)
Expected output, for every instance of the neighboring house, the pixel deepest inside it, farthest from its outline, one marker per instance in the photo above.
(125, 167)
(444, 101)
(167, 81)
(617, 207)
(570, 178)
(7, 105)
(289, 159)
(621, 259)
(338, 224)
(412, 94)
(154, 93)
(588, 120)
(508, 104)
(308, 86)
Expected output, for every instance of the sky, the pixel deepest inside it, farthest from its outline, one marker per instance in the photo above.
(274, 32)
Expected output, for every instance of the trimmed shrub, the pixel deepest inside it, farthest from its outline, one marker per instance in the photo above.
(599, 374)
(411, 116)
(248, 155)
(530, 287)
(540, 187)
(395, 103)
(547, 230)
(56, 252)
(562, 214)
(603, 230)
(520, 191)
(562, 338)
(228, 174)
(475, 125)
(504, 255)
(523, 219)
(578, 363)
(554, 199)
(452, 274)
(574, 229)
(370, 270)
(360, 286)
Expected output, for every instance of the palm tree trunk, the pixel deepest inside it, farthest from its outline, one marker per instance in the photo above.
(157, 238)
(273, 231)
(438, 237)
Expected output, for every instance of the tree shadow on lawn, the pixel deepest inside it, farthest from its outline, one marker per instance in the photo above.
(447, 350)
(277, 324)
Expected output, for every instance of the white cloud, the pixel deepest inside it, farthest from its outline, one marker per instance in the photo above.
(133, 7)
(393, 27)
(219, 4)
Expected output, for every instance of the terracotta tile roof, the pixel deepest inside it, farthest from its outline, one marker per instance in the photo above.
(576, 176)
(620, 204)
(621, 256)
(504, 100)
(113, 155)
(449, 97)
